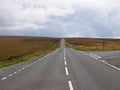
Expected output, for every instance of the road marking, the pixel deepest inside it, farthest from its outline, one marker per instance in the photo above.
(64, 58)
(110, 65)
(65, 63)
(10, 75)
(95, 55)
(103, 61)
(70, 85)
(19, 70)
(67, 73)
(4, 78)
(66, 70)
(29, 65)
(15, 73)
(42, 58)
(98, 57)
(91, 55)
(23, 68)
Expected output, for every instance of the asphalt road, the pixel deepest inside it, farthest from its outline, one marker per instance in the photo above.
(63, 69)
(108, 54)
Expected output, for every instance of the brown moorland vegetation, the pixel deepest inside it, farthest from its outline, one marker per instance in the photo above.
(93, 44)
(14, 48)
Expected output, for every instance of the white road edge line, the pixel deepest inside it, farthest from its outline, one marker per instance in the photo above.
(19, 70)
(70, 85)
(10, 75)
(95, 55)
(29, 65)
(42, 58)
(104, 62)
(4, 78)
(110, 65)
(66, 70)
(15, 73)
(23, 68)
(90, 55)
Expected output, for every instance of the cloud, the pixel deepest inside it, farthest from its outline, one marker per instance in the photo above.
(17, 14)
(60, 18)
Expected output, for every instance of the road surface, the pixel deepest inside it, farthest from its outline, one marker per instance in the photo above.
(63, 69)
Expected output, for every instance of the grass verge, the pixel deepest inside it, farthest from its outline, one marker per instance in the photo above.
(17, 49)
(23, 59)
(93, 44)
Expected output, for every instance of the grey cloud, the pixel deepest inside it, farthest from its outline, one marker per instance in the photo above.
(61, 18)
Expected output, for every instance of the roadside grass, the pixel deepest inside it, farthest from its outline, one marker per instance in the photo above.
(14, 50)
(88, 44)
(22, 59)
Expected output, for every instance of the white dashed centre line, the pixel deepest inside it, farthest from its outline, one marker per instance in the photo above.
(66, 70)
(65, 63)
(70, 85)
(64, 58)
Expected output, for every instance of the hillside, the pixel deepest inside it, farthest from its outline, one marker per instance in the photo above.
(16, 47)
(93, 44)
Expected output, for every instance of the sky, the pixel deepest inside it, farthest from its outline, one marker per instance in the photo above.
(60, 18)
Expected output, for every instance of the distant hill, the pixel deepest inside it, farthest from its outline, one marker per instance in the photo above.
(19, 46)
(93, 44)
